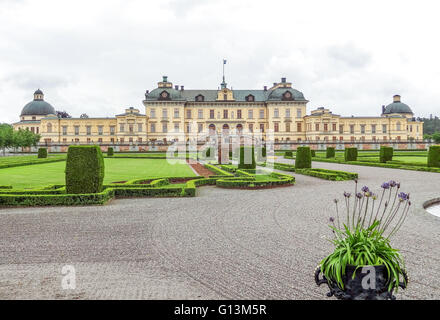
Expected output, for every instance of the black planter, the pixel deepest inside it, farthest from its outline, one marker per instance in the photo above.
(353, 287)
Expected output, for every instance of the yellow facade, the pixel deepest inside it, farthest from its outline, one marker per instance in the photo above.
(176, 114)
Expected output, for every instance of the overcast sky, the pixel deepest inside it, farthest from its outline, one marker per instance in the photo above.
(99, 57)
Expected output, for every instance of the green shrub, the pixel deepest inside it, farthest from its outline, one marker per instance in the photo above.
(246, 151)
(303, 158)
(386, 154)
(42, 153)
(110, 151)
(288, 154)
(434, 156)
(313, 152)
(84, 169)
(350, 154)
(330, 152)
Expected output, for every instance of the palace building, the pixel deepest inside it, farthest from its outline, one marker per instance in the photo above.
(173, 113)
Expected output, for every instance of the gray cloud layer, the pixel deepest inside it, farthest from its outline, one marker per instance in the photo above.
(99, 57)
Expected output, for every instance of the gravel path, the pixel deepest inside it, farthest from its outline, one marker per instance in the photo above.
(222, 244)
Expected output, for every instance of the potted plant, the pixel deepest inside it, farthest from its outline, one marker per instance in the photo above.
(364, 265)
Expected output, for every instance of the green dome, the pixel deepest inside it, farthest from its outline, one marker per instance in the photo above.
(156, 93)
(397, 107)
(37, 108)
(277, 94)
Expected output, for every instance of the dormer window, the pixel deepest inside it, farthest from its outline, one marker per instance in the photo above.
(200, 98)
(250, 98)
(164, 95)
(287, 95)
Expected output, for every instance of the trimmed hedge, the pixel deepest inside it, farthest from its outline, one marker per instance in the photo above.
(434, 156)
(385, 154)
(42, 153)
(26, 161)
(350, 154)
(330, 152)
(303, 158)
(313, 152)
(335, 175)
(84, 169)
(110, 152)
(246, 151)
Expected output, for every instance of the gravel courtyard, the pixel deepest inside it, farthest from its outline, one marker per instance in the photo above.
(222, 244)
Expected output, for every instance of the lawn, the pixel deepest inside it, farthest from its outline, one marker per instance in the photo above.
(39, 175)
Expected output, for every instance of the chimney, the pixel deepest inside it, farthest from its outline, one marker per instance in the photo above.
(283, 80)
(176, 87)
(274, 84)
(383, 109)
(396, 98)
(182, 88)
(265, 88)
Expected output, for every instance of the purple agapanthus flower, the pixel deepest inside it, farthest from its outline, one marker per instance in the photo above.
(403, 196)
(347, 194)
(385, 185)
(359, 195)
(365, 189)
(392, 183)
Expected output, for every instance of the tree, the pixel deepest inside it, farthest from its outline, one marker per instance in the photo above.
(6, 136)
(436, 137)
(63, 114)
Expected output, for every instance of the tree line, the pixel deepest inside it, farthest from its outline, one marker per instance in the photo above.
(10, 138)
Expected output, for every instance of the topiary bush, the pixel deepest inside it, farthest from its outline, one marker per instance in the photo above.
(386, 154)
(303, 158)
(330, 152)
(313, 152)
(288, 154)
(434, 156)
(244, 161)
(110, 151)
(351, 154)
(84, 169)
(42, 153)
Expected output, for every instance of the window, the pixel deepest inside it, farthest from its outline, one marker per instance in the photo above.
(188, 113)
(64, 130)
(33, 118)
(153, 113)
(200, 127)
(130, 140)
(333, 126)
(164, 128)
(225, 114)
(287, 95)
(130, 128)
(384, 138)
(200, 115)
(139, 139)
(251, 127)
(250, 98)
(287, 127)
(200, 98)
(298, 127)
(298, 113)
(153, 127)
(100, 129)
(250, 114)
(139, 127)
(121, 127)
(262, 127)
(276, 127)
(238, 114)
(112, 129)
(316, 126)
(276, 113)
(335, 138)
(89, 140)
(176, 113)
(398, 126)
(99, 140)
(164, 113)
(341, 128)
(384, 128)
(325, 126)
(89, 130)
(352, 138)
(351, 128)
(211, 114)
(176, 127)
(225, 96)
(49, 127)
(363, 128)
(373, 128)
(188, 128)
(261, 113)
(287, 113)
(164, 96)
(76, 130)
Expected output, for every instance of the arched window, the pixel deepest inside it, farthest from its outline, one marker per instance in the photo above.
(287, 95)
(239, 128)
(200, 98)
(164, 95)
(211, 129)
(250, 98)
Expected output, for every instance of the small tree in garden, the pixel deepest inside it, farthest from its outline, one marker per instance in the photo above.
(303, 158)
(351, 154)
(434, 156)
(42, 153)
(110, 151)
(247, 158)
(330, 152)
(288, 154)
(386, 154)
(84, 169)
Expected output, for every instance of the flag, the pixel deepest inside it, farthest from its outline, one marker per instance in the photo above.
(224, 61)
